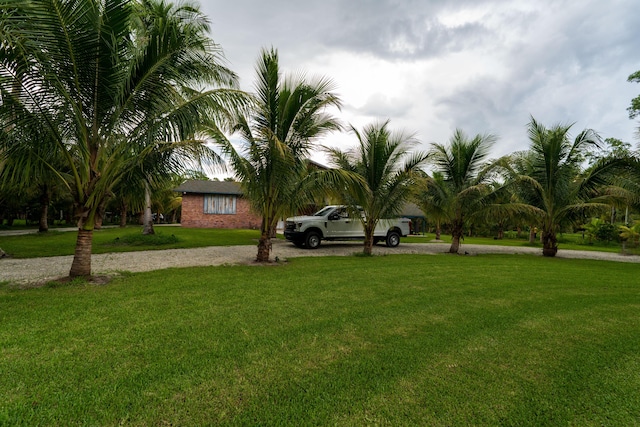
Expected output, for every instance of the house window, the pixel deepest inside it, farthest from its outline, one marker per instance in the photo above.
(222, 205)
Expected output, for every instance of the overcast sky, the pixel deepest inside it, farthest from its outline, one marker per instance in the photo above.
(432, 66)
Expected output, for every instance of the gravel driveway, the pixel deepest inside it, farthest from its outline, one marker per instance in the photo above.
(41, 269)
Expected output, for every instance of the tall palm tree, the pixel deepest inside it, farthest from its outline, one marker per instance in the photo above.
(384, 162)
(459, 186)
(289, 114)
(109, 82)
(555, 182)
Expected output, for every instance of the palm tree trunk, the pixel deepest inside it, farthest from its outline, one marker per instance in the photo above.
(456, 235)
(626, 216)
(123, 214)
(368, 239)
(100, 215)
(549, 243)
(81, 266)
(438, 231)
(45, 199)
(148, 217)
(613, 215)
(264, 247)
(264, 244)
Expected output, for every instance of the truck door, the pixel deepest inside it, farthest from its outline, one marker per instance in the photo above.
(339, 223)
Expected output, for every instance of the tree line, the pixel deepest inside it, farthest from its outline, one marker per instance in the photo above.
(107, 100)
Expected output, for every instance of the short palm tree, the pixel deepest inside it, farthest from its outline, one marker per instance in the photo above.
(108, 82)
(631, 233)
(459, 187)
(555, 183)
(289, 114)
(387, 167)
(27, 164)
(430, 195)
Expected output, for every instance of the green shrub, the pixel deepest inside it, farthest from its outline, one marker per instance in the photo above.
(157, 239)
(601, 230)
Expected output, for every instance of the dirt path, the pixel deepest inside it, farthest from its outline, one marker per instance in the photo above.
(41, 269)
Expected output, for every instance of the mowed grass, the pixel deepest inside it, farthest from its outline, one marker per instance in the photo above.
(394, 340)
(573, 241)
(54, 243)
(130, 239)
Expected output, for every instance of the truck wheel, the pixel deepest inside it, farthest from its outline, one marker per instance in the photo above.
(313, 240)
(393, 239)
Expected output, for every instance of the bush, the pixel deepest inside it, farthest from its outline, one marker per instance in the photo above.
(601, 230)
(157, 239)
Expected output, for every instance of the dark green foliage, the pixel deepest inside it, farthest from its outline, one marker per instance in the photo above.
(601, 230)
(157, 239)
(634, 108)
(606, 232)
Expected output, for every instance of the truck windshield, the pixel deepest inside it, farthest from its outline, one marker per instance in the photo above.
(323, 211)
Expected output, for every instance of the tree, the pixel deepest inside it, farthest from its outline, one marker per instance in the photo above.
(289, 114)
(29, 165)
(430, 195)
(557, 186)
(386, 166)
(616, 149)
(630, 233)
(107, 82)
(459, 186)
(634, 108)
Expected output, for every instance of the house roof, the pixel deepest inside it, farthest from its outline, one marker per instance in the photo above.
(210, 187)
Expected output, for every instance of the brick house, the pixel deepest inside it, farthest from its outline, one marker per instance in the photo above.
(216, 204)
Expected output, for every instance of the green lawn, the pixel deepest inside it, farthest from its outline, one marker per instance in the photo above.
(572, 241)
(126, 239)
(130, 239)
(393, 340)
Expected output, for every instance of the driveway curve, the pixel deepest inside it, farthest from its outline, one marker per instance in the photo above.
(41, 269)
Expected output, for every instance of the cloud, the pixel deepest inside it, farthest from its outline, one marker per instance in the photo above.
(379, 105)
(482, 65)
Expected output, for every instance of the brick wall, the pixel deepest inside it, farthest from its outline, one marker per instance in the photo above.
(193, 215)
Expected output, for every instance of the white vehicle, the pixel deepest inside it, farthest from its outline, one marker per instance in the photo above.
(336, 223)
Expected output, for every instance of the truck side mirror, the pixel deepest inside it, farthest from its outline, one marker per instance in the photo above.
(334, 216)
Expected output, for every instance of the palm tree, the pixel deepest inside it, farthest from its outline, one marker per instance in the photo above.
(383, 161)
(430, 195)
(288, 116)
(630, 233)
(108, 82)
(459, 187)
(555, 183)
(24, 169)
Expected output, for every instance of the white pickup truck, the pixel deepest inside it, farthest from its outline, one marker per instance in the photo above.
(336, 223)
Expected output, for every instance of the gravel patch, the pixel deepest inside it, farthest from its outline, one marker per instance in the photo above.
(42, 269)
